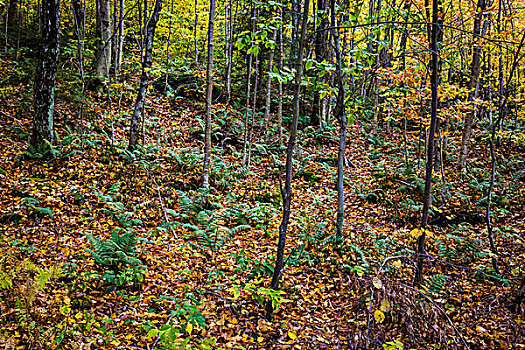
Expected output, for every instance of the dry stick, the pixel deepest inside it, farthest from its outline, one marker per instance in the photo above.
(437, 307)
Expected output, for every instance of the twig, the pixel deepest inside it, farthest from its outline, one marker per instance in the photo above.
(437, 307)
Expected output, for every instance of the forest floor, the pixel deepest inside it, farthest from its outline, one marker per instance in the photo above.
(207, 274)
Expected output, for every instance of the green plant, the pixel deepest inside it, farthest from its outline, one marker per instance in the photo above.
(117, 255)
(20, 283)
(209, 221)
(260, 294)
(436, 284)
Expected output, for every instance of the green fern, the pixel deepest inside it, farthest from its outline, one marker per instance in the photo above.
(436, 284)
(116, 252)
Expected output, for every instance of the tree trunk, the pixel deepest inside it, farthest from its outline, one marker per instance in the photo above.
(168, 50)
(280, 103)
(78, 16)
(248, 90)
(269, 86)
(209, 90)
(340, 115)
(119, 33)
(229, 58)
(196, 22)
(103, 54)
(287, 191)
(137, 116)
(254, 110)
(13, 12)
(434, 81)
(321, 49)
(474, 77)
(45, 77)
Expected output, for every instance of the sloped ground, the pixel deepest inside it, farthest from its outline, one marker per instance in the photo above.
(206, 275)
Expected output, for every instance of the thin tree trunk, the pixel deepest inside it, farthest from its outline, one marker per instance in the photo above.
(147, 61)
(248, 89)
(209, 90)
(45, 77)
(269, 86)
(340, 115)
(474, 74)
(195, 34)
(168, 50)
(119, 45)
(7, 14)
(287, 191)
(78, 16)
(18, 36)
(254, 110)
(434, 81)
(280, 103)
(229, 58)
(321, 49)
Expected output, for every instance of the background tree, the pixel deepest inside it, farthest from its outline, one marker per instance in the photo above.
(209, 96)
(45, 77)
(138, 111)
(286, 192)
(103, 43)
(434, 84)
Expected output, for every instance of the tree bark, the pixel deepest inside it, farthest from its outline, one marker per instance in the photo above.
(321, 49)
(287, 191)
(340, 115)
(103, 54)
(248, 90)
(229, 58)
(474, 78)
(196, 22)
(45, 77)
(280, 103)
(209, 90)
(119, 32)
(269, 85)
(147, 61)
(434, 81)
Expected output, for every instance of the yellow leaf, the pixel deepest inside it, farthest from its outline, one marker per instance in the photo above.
(385, 305)
(416, 232)
(189, 328)
(377, 283)
(397, 264)
(260, 339)
(379, 316)
(292, 335)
